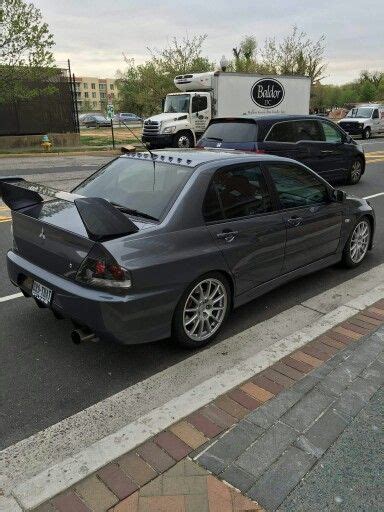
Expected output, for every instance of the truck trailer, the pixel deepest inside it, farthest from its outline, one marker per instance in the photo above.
(204, 96)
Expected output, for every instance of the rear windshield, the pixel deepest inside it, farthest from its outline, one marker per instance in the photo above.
(231, 132)
(137, 184)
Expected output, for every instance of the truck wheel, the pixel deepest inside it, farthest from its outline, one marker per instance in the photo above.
(183, 140)
(367, 133)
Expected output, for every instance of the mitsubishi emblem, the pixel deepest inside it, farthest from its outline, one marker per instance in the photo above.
(42, 234)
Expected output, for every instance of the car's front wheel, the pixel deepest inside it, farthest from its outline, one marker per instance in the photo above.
(367, 133)
(355, 172)
(358, 243)
(202, 310)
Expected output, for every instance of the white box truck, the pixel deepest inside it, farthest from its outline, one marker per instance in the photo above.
(208, 95)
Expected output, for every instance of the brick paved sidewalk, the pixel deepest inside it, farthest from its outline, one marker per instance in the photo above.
(248, 449)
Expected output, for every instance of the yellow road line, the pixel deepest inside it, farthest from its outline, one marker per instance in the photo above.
(6, 220)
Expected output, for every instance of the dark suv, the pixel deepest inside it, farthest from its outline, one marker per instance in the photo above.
(316, 142)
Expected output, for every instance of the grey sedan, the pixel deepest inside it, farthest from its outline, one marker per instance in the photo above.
(167, 244)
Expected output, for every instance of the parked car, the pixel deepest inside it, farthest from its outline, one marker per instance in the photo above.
(127, 117)
(312, 140)
(364, 120)
(148, 248)
(96, 121)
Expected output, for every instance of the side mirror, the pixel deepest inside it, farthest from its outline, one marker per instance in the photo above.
(339, 196)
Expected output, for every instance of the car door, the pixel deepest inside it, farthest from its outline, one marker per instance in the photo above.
(334, 159)
(281, 140)
(200, 112)
(243, 221)
(313, 220)
(309, 136)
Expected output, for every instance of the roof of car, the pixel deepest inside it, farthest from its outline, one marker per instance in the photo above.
(267, 117)
(195, 157)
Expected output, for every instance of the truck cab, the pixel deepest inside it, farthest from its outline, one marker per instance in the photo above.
(185, 114)
(364, 120)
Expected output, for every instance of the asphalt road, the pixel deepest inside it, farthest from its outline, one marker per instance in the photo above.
(44, 378)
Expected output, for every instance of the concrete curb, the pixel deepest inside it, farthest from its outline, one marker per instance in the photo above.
(61, 476)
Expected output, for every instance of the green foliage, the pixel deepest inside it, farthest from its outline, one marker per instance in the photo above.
(142, 87)
(369, 87)
(25, 51)
(296, 54)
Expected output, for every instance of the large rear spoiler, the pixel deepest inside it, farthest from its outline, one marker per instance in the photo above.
(100, 218)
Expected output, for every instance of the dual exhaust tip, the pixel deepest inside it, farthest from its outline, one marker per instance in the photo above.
(79, 336)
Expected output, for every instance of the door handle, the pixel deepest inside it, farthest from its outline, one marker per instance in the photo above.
(294, 221)
(326, 151)
(228, 236)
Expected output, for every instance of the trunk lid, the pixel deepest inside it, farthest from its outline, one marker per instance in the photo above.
(51, 235)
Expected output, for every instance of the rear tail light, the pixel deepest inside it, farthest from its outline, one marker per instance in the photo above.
(260, 151)
(100, 270)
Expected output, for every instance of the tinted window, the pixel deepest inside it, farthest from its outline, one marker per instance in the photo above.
(199, 103)
(240, 191)
(282, 132)
(375, 114)
(136, 184)
(231, 132)
(331, 134)
(308, 130)
(296, 186)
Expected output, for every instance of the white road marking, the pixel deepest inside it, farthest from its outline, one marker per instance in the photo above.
(11, 297)
(374, 195)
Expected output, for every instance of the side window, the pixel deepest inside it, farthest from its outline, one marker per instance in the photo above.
(211, 207)
(282, 132)
(331, 134)
(308, 130)
(296, 186)
(199, 103)
(375, 114)
(241, 192)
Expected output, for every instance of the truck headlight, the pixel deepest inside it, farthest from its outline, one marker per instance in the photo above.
(169, 129)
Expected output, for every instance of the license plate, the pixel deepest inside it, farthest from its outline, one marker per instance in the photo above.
(41, 293)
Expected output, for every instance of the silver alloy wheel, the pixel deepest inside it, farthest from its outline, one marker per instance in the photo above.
(184, 142)
(204, 309)
(360, 238)
(356, 171)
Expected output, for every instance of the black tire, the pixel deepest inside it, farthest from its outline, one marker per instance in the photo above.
(179, 333)
(366, 133)
(347, 259)
(355, 172)
(183, 140)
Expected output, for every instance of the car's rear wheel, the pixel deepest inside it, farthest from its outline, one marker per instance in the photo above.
(355, 172)
(183, 140)
(358, 243)
(367, 133)
(202, 310)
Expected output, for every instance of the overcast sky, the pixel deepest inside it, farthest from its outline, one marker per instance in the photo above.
(94, 34)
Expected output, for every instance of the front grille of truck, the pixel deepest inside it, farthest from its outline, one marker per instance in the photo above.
(347, 125)
(151, 127)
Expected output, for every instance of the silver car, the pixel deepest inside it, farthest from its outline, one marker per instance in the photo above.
(167, 244)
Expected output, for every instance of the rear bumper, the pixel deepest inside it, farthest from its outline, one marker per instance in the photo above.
(158, 140)
(130, 319)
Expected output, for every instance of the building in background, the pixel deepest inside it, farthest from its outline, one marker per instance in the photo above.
(94, 94)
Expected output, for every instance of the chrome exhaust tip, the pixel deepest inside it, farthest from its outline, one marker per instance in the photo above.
(79, 336)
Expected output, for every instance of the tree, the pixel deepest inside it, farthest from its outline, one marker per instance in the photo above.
(25, 49)
(142, 86)
(296, 54)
